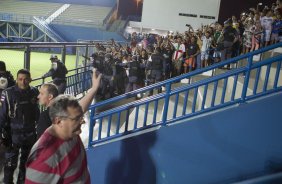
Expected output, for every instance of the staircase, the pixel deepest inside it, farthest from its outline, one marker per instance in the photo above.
(230, 107)
(57, 13)
(247, 80)
(45, 28)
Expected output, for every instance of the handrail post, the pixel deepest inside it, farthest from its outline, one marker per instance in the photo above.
(64, 51)
(91, 127)
(247, 78)
(166, 103)
(84, 70)
(27, 58)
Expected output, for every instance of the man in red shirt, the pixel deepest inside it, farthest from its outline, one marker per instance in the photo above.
(59, 155)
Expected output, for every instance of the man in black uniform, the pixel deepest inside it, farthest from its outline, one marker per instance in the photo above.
(6, 81)
(134, 67)
(58, 73)
(18, 116)
(230, 37)
(109, 71)
(157, 67)
(120, 75)
(167, 53)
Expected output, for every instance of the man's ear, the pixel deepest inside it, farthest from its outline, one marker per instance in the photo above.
(57, 121)
(50, 97)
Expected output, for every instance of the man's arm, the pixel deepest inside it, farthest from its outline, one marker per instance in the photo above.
(49, 73)
(5, 137)
(37, 170)
(3, 109)
(85, 102)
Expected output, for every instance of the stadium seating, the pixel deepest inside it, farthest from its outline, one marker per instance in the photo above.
(28, 8)
(87, 16)
(74, 33)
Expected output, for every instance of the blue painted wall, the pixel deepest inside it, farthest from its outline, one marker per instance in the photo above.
(232, 145)
(73, 33)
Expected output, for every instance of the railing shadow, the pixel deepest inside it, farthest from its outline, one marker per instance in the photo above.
(135, 164)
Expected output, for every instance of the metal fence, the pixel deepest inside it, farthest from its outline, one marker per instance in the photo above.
(258, 79)
(35, 56)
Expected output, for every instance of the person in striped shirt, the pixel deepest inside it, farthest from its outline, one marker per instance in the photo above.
(59, 155)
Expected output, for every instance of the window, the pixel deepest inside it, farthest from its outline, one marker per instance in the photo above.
(188, 15)
(207, 17)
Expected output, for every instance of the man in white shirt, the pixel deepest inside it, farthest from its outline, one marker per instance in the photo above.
(205, 50)
(177, 57)
(266, 23)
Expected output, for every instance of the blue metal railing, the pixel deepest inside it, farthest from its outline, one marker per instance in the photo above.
(77, 83)
(16, 17)
(175, 109)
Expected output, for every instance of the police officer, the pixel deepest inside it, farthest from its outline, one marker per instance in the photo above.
(120, 75)
(18, 116)
(133, 67)
(6, 80)
(229, 36)
(157, 67)
(109, 71)
(167, 52)
(133, 75)
(58, 73)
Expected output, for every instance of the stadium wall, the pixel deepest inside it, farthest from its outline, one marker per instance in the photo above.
(164, 14)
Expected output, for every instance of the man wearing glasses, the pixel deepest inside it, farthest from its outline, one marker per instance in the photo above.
(59, 155)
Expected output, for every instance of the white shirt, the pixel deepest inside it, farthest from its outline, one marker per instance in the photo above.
(206, 43)
(266, 22)
(179, 47)
(176, 54)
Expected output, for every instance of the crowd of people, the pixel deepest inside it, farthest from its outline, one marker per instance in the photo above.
(150, 58)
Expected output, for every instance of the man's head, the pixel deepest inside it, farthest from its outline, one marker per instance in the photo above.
(207, 34)
(158, 50)
(193, 39)
(179, 40)
(53, 58)
(129, 57)
(47, 93)
(269, 13)
(67, 116)
(23, 79)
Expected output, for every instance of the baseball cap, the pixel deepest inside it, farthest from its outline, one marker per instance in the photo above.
(53, 56)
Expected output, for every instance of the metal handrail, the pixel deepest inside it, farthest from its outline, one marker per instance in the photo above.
(46, 29)
(106, 19)
(97, 119)
(76, 69)
(77, 83)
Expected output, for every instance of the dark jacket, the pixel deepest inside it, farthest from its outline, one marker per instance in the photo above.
(19, 112)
